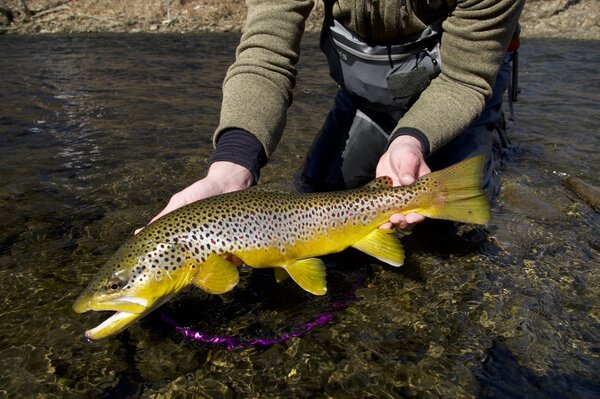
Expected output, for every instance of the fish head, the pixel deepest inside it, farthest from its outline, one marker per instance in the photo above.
(137, 279)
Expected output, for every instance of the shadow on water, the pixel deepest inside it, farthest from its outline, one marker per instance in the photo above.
(503, 377)
(96, 132)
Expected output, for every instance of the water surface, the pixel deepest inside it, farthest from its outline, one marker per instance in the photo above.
(96, 133)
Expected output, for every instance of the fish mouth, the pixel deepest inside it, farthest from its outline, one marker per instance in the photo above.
(127, 311)
(124, 304)
(113, 325)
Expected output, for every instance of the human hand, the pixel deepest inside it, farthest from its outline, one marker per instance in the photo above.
(222, 177)
(404, 163)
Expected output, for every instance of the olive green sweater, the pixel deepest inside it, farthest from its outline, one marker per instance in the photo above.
(257, 89)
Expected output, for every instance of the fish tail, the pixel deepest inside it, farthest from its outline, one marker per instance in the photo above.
(455, 193)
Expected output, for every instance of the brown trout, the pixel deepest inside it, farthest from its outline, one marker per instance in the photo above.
(196, 244)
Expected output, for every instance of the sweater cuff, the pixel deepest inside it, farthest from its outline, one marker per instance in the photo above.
(240, 147)
(416, 133)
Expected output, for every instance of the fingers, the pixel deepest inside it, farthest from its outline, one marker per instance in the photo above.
(201, 189)
(387, 225)
(414, 218)
(177, 201)
(403, 221)
(222, 177)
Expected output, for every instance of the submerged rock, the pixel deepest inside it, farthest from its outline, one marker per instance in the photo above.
(585, 191)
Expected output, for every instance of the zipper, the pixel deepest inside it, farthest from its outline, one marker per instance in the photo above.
(370, 57)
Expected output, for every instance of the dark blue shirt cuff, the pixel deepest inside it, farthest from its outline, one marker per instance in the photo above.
(240, 147)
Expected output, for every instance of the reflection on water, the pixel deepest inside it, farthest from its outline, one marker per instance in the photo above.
(96, 132)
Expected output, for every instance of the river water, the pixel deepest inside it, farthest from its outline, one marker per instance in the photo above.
(96, 133)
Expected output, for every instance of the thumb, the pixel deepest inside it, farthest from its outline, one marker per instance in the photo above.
(406, 179)
(408, 170)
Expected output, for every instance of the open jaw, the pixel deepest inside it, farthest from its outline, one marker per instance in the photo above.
(127, 311)
(113, 325)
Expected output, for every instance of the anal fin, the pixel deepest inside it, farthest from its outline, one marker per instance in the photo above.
(383, 245)
(309, 274)
(281, 274)
(216, 275)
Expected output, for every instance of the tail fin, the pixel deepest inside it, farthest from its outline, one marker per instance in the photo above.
(456, 194)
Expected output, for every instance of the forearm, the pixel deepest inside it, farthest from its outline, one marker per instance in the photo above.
(257, 90)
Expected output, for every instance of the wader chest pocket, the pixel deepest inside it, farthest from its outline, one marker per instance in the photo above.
(388, 76)
(410, 78)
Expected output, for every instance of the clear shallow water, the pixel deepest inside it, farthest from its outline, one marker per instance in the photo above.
(96, 132)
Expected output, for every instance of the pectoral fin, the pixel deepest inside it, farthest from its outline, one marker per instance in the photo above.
(281, 274)
(216, 275)
(382, 244)
(309, 274)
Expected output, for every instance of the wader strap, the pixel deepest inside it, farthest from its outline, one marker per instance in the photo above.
(328, 4)
(513, 83)
(326, 43)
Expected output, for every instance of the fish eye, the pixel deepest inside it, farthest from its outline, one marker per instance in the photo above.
(115, 283)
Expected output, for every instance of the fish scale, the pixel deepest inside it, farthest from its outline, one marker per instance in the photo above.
(200, 243)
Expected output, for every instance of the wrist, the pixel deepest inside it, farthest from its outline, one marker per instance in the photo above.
(407, 140)
(416, 134)
(230, 175)
(242, 148)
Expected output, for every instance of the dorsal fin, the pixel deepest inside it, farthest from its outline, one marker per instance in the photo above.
(380, 182)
